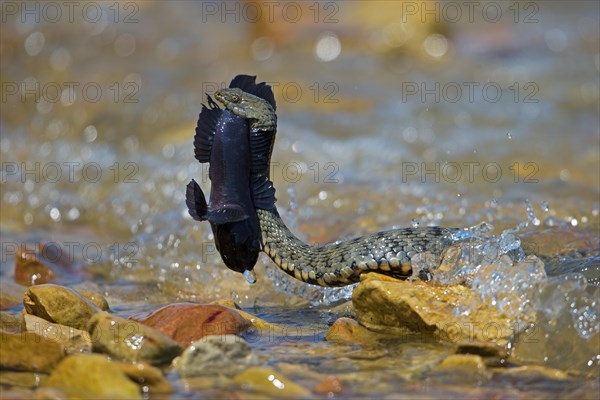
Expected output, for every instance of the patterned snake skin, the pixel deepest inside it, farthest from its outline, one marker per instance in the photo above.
(335, 264)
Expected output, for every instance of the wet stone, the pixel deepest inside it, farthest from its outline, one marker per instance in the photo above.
(27, 351)
(59, 304)
(74, 340)
(11, 323)
(216, 355)
(11, 294)
(92, 376)
(188, 322)
(348, 331)
(329, 386)
(31, 270)
(148, 377)
(128, 340)
(96, 298)
(21, 379)
(385, 304)
(269, 382)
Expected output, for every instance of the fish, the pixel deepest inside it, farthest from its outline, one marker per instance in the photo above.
(222, 139)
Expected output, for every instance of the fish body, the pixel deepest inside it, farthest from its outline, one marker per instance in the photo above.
(222, 137)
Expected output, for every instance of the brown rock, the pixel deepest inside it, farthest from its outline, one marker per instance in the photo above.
(96, 298)
(31, 270)
(188, 322)
(348, 331)
(331, 384)
(386, 304)
(27, 351)
(129, 340)
(92, 376)
(11, 323)
(270, 382)
(59, 304)
(11, 294)
(146, 376)
(74, 340)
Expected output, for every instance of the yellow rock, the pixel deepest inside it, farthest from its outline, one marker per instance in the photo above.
(259, 324)
(269, 382)
(348, 331)
(92, 376)
(27, 351)
(389, 305)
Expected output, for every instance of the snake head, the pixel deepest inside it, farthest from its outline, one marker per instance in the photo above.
(256, 110)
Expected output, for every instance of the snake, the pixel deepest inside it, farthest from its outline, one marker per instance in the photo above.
(335, 264)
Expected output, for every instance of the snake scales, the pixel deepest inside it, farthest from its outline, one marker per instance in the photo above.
(335, 264)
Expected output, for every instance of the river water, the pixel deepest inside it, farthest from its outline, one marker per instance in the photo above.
(390, 114)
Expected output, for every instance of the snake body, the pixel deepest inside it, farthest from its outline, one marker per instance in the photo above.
(335, 264)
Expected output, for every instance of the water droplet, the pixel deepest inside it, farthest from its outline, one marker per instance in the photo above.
(250, 276)
(545, 207)
(509, 135)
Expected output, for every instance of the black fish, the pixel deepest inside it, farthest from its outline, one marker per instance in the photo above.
(223, 139)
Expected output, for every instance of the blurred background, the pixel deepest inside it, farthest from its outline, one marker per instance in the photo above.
(390, 114)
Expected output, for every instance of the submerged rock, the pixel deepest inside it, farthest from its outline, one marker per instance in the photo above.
(269, 382)
(216, 355)
(130, 341)
(74, 340)
(348, 331)
(59, 304)
(31, 270)
(27, 351)
(92, 376)
(465, 365)
(20, 379)
(188, 322)
(11, 323)
(11, 294)
(385, 304)
(330, 386)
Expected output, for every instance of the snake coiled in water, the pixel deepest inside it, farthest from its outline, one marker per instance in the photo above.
(336, 264)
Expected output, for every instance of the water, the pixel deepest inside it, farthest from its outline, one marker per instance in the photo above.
(376, 138)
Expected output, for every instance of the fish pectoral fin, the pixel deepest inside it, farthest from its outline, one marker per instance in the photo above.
(227, 214)
(195, 201)
(205, 130)
(263, 193)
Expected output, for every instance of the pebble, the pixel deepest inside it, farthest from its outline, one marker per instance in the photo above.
(269, 382)
(188, 322)
(59, 304)
(92, 376)
(27, 351)
(74, 340)
(216, 355)
(129, 340)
